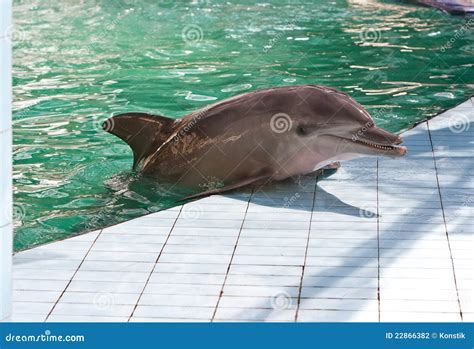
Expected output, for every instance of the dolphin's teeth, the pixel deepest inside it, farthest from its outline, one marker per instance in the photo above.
(377, 146)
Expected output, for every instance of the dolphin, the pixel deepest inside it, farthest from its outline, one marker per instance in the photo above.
(455, 7)
(264, 135)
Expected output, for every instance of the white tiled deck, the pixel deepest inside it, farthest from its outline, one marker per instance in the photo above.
(380, 240)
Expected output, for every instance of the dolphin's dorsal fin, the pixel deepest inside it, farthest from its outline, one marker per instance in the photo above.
(143, 132)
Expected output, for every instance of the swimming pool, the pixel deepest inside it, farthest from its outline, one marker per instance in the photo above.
(75, 64)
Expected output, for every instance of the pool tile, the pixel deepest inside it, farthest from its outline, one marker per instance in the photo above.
(182, 289)
(232, 314)
(85, 318)
(337, 316)
(42, 308)
(339, 304)
(172, 312)
(36, 296)
(39, 285)
(111, 276)
(419, 317)
(179, 300)
(185, 278)
(250, 302)
(100, 299)
(103, 286)
(97, 309)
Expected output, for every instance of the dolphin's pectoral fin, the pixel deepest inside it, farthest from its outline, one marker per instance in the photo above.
(144, 133)
(226, 188)
(328, 170)
(332, 166)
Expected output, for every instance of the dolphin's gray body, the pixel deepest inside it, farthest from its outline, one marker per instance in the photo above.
(269, 134)
(455, 7)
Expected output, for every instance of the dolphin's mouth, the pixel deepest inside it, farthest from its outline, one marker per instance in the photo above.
(390, 149)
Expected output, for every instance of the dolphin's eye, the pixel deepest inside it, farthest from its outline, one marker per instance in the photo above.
(301, 130)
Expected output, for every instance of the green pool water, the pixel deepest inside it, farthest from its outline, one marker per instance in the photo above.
(78, 62)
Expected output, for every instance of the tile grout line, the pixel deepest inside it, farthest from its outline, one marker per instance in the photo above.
(6, 224)
(72, 277)
(444, 220)
(378, 238)
(155, 264)
(306, 249)
(232, 257)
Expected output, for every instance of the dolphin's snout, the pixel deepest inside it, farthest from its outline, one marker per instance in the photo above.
(398, 140)
(380, 136)
(402, 151)
(377, 141)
